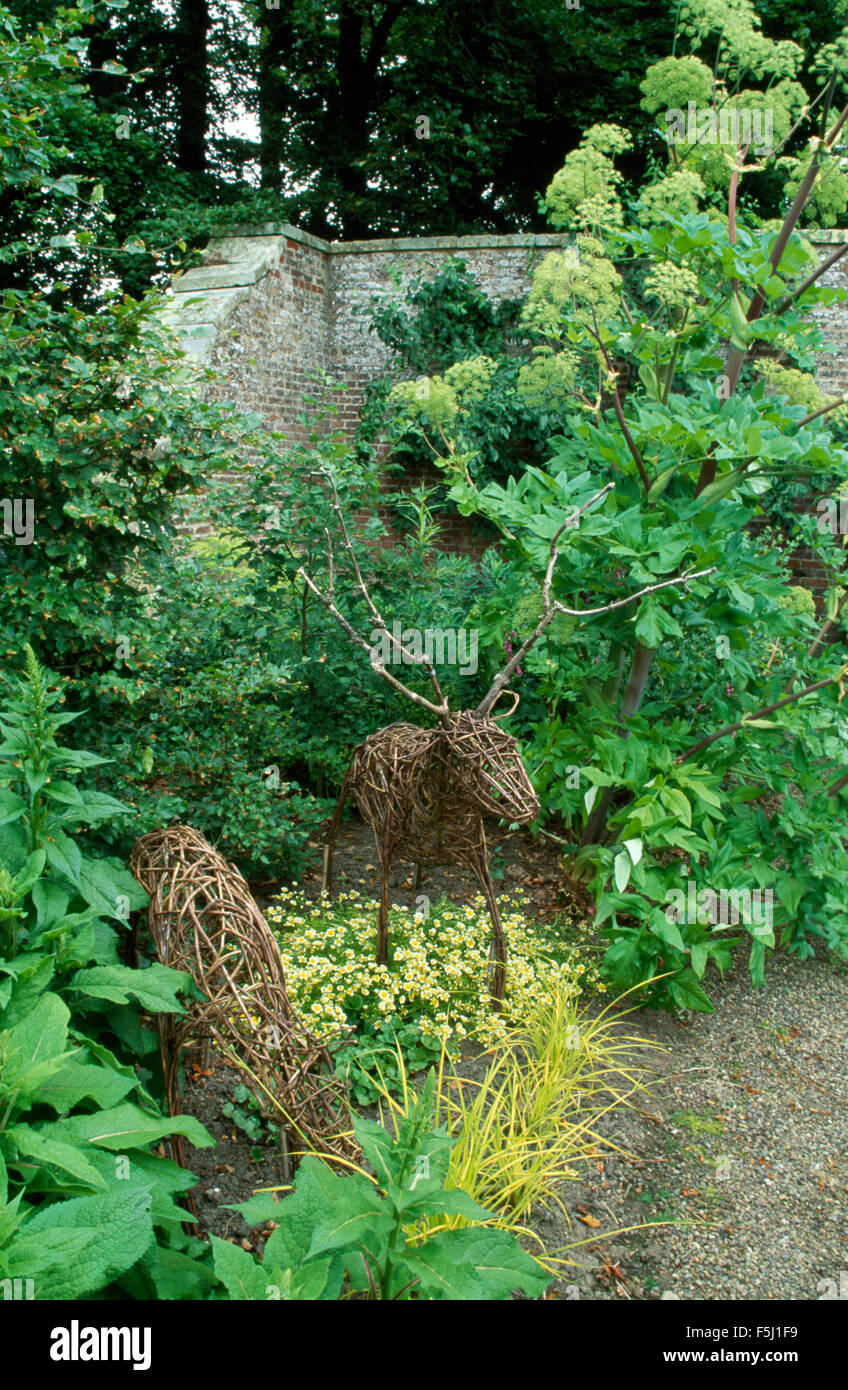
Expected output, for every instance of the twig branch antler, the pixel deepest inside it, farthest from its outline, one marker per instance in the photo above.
(551, 609)
(328, 600)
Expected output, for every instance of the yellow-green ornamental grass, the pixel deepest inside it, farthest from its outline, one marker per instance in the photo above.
(437, 972)
(527, 1124)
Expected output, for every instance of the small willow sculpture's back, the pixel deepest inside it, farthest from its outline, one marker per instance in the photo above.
(425, 792)
(203, 919)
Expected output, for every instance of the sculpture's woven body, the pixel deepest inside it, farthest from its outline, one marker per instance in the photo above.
(203, 919)
(424, 792)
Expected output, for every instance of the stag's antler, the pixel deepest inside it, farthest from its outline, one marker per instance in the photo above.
(328, 600)
(550, 609)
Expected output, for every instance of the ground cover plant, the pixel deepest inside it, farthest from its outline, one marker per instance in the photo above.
(433, 991)
(528, 1121)
(353, 1233)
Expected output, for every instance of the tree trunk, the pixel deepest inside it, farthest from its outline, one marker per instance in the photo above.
(352, 111)
(274, 91)
(191, 79)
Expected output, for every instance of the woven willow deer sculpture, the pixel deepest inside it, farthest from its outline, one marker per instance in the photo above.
(425, 792)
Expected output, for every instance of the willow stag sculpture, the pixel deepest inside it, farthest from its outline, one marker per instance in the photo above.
(425, 792)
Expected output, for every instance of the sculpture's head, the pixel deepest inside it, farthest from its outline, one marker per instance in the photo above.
(489, 764)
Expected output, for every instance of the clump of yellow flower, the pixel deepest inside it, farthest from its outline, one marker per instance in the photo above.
(438, 400)
(437, 976)
(579, 283)
(675, 286)
(800, 388)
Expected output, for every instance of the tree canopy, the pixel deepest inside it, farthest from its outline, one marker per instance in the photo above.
(351, 120)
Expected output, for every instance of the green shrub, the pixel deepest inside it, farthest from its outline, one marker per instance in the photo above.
(349, 1231)
(86, 1207)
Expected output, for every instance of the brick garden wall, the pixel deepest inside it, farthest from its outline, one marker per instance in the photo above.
(273, 309)
(832, 379)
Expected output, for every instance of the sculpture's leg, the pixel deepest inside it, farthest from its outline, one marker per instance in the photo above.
(327, 879)
(480, 865)
(383, 916)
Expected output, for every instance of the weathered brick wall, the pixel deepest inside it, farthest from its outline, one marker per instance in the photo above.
(832, 379)
(273, 309)
(272, 305)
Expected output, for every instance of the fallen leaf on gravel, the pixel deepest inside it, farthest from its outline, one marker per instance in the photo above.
(223, 1168)
(590, 1221)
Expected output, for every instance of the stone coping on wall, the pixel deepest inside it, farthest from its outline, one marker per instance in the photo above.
(825, 236)
(476, 241)
(201, 299)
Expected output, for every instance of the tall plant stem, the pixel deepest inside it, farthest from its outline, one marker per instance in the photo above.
(640, 667)
(737, 356)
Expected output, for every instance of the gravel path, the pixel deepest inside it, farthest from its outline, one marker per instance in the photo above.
(743, 1138)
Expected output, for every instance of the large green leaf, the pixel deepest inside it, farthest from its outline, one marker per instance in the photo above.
(34, 1048)
(155, 988)
(359, 1218)
(264, 1206)
(12, 807)
(53, 1153)
(110, 888)
(433, 1199)
(239, 1272)
(318, 1281)
(64, 856)
(174, 1275)
(377, 1147)
(475, 1263)
(32, 972)
(129, 1127)
(75, 1081)
(14, 847)
(51, 902)
(79, 1246)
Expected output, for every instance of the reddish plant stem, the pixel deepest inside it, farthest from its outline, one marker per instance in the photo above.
(758, 714)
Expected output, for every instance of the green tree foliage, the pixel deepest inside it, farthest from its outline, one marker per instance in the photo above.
(660, 728)
(408, 117)
(101, 429)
